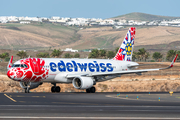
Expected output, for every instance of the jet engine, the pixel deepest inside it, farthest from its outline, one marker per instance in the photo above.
(82, 82)
(31, 85)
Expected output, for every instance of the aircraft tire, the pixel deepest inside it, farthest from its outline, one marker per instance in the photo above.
(87, 90)
(92, 89)
(53, 89)
(57, 89)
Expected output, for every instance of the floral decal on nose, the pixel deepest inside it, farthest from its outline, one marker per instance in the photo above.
(34, 72)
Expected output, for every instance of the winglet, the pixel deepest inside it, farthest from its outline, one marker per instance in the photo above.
(174, 60)
(10, 63)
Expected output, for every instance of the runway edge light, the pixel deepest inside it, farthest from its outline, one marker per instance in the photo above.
(137, 97)
(171, 92)
(159, 98)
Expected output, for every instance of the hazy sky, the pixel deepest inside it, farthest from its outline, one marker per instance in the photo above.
(87, 8)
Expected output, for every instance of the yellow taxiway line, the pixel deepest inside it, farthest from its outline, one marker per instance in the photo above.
(10, 98)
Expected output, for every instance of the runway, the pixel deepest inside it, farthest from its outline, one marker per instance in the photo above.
(89, 106)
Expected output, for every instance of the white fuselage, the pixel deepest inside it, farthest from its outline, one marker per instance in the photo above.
(59, 68)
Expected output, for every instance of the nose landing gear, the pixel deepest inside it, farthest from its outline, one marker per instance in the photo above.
(27, 90)
(55, 88)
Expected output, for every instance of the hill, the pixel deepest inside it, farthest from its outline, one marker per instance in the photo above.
(143, 17)
(35, 36)
(45, 36)
(157, 38)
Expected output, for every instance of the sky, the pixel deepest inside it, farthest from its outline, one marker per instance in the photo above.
(87, 8)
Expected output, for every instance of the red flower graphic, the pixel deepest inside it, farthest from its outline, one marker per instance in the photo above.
(34, 72)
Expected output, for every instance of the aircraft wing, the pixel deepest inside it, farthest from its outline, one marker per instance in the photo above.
(122, 72)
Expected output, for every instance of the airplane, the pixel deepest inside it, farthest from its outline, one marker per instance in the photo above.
(82, 73)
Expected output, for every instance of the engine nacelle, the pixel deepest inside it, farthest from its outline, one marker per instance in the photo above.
(32, 85)
(82, 82)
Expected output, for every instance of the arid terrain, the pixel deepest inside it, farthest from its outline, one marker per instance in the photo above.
(157, 81)
(45, 36)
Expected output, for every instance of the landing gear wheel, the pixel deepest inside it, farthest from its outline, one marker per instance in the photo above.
(53, 89)
(58, 89)
(87, 90)
(91, 90)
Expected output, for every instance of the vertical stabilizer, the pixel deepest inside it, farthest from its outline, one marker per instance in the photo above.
(126, 49)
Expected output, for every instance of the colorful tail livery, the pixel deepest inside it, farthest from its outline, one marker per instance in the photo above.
(82, 73)
(126, 49)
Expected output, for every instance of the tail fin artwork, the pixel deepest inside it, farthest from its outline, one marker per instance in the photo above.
(126, 49)
(10, 63)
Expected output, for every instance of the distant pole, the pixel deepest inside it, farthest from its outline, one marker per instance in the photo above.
(126, 96)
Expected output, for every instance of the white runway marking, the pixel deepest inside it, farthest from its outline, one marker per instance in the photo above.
(85, 106)
(110, 118)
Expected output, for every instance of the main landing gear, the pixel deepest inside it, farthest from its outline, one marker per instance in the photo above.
(91, 90)
(55, 88)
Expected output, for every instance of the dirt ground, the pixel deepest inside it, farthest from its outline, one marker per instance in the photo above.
(156, 81)
(121, 84)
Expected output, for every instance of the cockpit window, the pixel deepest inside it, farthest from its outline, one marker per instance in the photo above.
(24, 65)
(20, 65)
(16, 65)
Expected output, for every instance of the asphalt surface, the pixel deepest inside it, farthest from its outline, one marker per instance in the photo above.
(89, 106)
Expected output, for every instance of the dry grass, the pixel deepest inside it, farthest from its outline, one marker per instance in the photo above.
(55, 36)
(144, 36)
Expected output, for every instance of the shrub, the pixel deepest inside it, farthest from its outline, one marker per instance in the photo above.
(7, 59)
